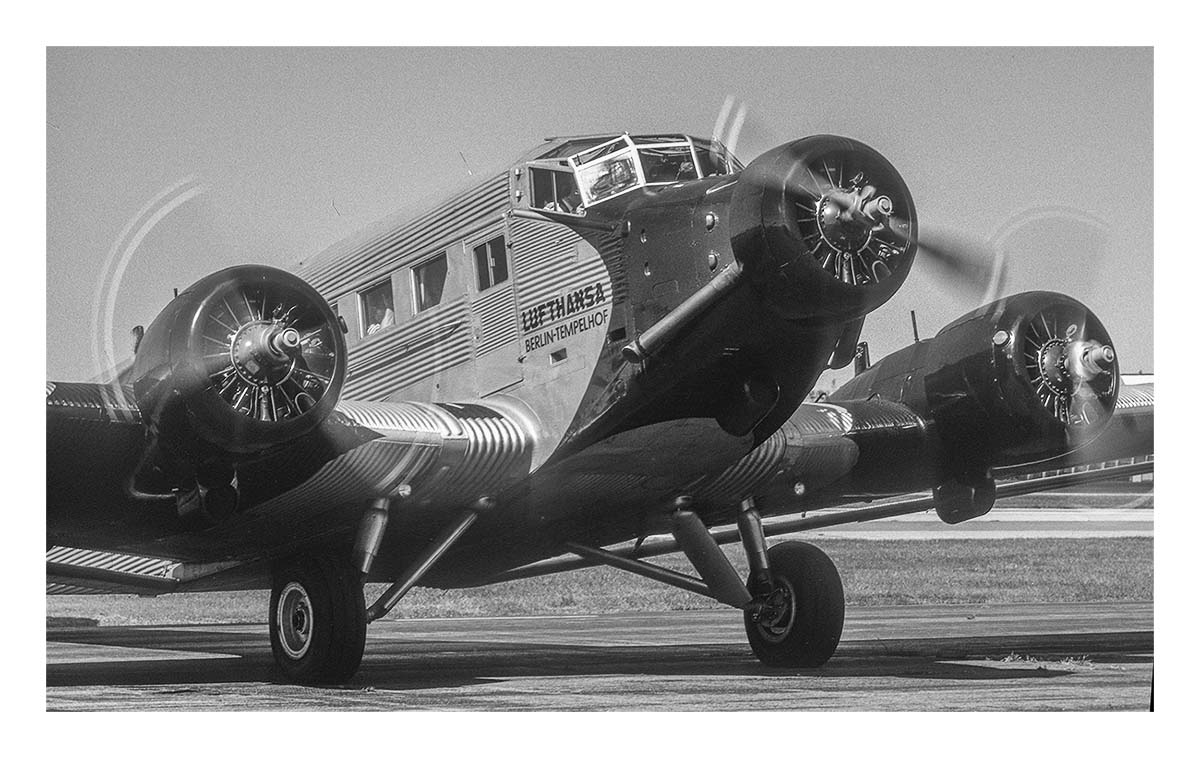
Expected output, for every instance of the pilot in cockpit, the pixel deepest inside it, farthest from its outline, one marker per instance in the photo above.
(570, 203)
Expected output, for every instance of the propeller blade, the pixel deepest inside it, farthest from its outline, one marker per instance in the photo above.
(981, 271)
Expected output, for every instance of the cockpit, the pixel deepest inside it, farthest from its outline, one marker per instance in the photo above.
(582, 172)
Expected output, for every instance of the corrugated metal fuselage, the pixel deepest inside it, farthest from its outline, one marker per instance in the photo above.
(619, 440)
(616, 441)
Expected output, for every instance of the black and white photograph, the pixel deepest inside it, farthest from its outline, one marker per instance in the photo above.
(595, 379)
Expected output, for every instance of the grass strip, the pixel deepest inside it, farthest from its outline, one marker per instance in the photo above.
(874, 572)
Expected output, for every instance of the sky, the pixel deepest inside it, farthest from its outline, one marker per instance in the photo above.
(227, 156)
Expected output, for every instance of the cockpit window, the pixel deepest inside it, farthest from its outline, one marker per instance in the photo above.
(714, 159)
(604, 178)
(606, 167)
(554, 191)
(608, 148)
(667, 164)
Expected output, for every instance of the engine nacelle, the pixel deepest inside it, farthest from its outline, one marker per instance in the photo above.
(1028, 377)
(244, 360)
(824, 227)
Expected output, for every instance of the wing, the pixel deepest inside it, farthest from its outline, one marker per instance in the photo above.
(107, 534)
(1129, 435)
(832, 440)
(845, 448)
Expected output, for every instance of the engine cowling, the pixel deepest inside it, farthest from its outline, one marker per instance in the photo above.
(1031, 376)
(1028, 377)
(244, 360)
(824, 227)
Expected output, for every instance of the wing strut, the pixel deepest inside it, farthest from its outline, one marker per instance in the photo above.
(427, 558)
(718, 578)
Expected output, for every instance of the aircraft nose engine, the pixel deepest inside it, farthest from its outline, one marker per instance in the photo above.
(245, 359)
(824, 227)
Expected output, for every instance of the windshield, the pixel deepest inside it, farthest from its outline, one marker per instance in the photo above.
(673, 163)
(608, 176)
(605, 167)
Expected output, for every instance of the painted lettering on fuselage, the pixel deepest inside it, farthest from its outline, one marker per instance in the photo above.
(564, 316)
(568, 329)
(564, 306)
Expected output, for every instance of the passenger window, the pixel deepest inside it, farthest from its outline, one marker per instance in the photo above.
(491, 263)
(429, 279)
(554, 191)
(378, 310)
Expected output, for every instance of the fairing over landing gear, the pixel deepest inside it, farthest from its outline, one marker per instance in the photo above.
(318, 619)
(797, 621)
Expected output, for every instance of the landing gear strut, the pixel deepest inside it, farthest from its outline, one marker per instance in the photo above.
(793, 602)
(795, 620)
(318, 619)
(318, 614)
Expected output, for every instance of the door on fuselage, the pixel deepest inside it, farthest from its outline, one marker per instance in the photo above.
(494, 311)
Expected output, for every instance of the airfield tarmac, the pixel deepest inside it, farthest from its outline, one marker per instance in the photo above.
(1079, 656)
(1094, 656)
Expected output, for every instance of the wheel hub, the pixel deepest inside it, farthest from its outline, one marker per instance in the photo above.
(294, 619)
(778, 612)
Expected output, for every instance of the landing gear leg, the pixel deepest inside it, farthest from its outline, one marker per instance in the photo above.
(799, 609)
(318, 619)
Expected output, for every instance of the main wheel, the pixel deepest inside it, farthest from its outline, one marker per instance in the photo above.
(800, 622)
(318, 620)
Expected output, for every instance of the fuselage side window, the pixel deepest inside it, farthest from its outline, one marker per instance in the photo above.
(491, 262)
(429, 279)
(377, 308)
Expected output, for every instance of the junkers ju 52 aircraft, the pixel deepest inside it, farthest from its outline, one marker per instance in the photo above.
(597, 356)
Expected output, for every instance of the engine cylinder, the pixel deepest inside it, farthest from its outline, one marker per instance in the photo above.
(245, 359)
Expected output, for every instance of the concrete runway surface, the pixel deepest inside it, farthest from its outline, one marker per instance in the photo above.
(1093, 656)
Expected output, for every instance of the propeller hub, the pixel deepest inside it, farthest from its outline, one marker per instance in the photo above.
(823, 225)
(1090, 359)
(286, 341)
(1071, 365)
(263, 353)
(848, 220)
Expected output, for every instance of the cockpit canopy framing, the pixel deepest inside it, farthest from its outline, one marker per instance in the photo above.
(581, 172)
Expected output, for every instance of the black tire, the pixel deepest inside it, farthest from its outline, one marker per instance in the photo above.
(318, 620)
(803, 623)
